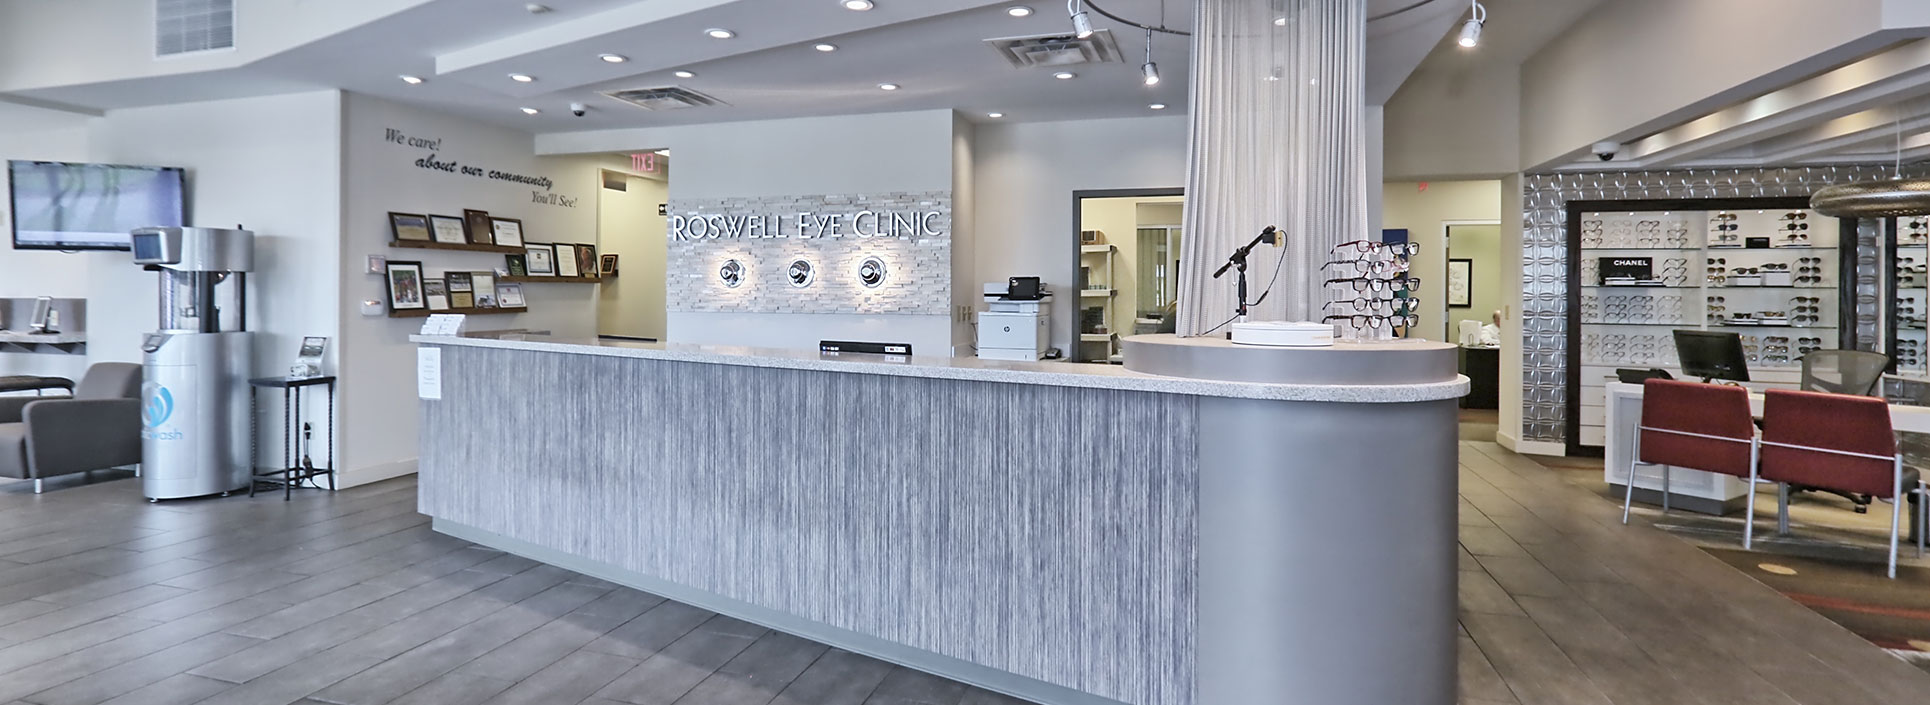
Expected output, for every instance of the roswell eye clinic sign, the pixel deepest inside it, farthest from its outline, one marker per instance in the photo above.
(807, 225)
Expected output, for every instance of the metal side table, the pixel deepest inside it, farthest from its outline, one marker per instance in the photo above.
(293, 471)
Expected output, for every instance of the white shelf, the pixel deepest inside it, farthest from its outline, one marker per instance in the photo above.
(1097, 293)
(1095, 337)
(1095, 249)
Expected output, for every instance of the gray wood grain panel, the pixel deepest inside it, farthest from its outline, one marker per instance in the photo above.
(1044, 531)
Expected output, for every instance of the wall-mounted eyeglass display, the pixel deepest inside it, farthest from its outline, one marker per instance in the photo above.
(871, 272)
(1910, 310)
(801, 273)
(731, 273)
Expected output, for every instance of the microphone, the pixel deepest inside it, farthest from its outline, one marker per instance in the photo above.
(1270, 236)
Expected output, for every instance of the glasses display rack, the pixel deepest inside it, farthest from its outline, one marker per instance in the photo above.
(1376, 300)
(1910, 312)
(1770, 274)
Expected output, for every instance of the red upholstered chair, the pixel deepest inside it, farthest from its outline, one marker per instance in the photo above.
(1698, 426)
(1836, 442)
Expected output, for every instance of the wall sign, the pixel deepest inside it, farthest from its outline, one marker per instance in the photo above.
(435, 161)
(807, 225)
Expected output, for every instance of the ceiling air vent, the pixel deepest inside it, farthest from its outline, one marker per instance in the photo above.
(189, 26)
(666, 98)
(1057, 49)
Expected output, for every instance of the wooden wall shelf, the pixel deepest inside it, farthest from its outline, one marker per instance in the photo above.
(549, 280)
(424, 313)
(468, 246)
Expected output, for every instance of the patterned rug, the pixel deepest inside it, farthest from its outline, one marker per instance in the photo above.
(1893, 614)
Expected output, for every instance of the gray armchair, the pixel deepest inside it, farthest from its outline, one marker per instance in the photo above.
(98, 427)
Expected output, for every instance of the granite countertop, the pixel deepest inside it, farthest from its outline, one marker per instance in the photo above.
(1057, 374)
(21, 337)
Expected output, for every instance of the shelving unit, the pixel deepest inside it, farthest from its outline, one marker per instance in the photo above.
(1910, 307)
(425, 313)
(1619, 326)
(466, 246)
(549, 280)
(1097, 293)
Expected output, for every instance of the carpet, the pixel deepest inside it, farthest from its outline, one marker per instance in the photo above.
(1893, 614)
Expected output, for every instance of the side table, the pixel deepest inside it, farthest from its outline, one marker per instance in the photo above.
(293, 470)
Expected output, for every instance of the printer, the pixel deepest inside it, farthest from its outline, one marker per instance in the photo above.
(1016, 324)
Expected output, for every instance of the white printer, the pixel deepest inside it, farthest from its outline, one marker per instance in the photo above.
(1017, 324)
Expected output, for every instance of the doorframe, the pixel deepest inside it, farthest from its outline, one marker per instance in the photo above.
(1078, 220)
(1447, 247)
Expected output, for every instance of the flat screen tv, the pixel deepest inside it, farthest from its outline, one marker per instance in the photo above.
(61, 206)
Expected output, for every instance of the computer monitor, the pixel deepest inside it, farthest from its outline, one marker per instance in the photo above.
(1711, 355)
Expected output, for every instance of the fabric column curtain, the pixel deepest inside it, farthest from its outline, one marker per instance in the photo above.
(1276, 139)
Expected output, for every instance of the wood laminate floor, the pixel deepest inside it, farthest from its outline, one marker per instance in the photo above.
(350, 599)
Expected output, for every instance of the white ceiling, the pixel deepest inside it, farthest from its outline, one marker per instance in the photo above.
(933, 48)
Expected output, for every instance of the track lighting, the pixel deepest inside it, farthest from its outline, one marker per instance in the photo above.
(1081, 21)
(1150, 70)
(1471, 30)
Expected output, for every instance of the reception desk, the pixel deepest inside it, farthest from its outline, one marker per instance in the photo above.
(1246, 526)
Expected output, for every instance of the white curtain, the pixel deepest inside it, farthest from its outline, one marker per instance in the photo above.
(1277, 139)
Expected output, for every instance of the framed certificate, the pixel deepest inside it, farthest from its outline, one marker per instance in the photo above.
(448, 229)
(541, 259)
(566, 262)
(507, 231)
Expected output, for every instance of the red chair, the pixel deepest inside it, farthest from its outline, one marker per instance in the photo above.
(1835, 442)
(1698, 426)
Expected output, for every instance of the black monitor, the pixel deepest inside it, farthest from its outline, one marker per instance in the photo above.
(1711, 355)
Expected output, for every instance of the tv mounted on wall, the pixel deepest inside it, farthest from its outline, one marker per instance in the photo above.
(62, 206)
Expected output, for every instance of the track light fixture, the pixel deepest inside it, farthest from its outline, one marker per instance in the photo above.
(1081, 22)
(1471, 30)
(1150, 69)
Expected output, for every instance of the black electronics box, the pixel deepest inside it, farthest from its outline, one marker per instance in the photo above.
(1023, 289)
(1756, 243)
(1637, 268)
(848, 346)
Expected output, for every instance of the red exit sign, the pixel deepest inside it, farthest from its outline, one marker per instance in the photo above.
(645, 162)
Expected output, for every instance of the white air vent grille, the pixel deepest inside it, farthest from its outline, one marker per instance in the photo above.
(665, 98)
(188, 26)
(1057, 49)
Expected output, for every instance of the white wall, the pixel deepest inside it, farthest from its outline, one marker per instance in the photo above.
(378, 388)
(632, 303)
(1026, 173)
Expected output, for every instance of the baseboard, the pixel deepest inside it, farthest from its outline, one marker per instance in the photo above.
(1529, 447)
(374, 473)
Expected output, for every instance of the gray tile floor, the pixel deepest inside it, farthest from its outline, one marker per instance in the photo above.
(351, 599)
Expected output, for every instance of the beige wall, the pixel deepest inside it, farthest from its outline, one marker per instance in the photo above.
(632, 304)
(1424, 214)
(1481, 245)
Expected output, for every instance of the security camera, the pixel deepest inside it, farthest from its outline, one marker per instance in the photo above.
(578, 109)
(1604, 150)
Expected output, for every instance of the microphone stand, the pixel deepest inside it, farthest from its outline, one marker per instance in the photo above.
(1238, 261)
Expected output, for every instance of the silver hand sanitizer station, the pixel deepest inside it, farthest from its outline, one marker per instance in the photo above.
(194, 400)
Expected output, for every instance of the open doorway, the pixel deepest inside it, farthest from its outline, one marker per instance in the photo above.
(1472, 288)
(630, 231)
(1127, 267)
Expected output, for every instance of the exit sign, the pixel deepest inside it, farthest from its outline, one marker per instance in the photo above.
(645, 162)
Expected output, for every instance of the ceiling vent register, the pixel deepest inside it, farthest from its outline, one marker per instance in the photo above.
(190, 26)
(1057, 49)
(665, 98)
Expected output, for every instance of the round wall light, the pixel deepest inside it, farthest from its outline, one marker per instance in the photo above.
(731, 274)
(801, 273)
(871, 272)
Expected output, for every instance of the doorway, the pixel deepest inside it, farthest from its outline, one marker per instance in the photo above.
(630, 230)
(1472, 289)
(1126, 268)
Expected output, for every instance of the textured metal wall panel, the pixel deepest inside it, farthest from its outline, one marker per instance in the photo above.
(1544, 243)
(1045, 531)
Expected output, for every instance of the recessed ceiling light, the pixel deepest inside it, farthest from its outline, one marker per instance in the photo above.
(887, 86)
(521, 77)
(1065, 75)
(826, 47)
(684, 74)
(530, 111)
(613, 58)
(720, 33)
(995, 115)
(1157, 106)
(857, 5)
(1279, 21)
(663, 152)
(1019, 11)
(536, 9)
(411, 80)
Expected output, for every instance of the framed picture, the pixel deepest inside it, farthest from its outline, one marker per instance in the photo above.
(510, 295)
(481, 230)
(516, 265)
(609, 265)
(405, 286)
(409, 226)
(485, 284)
(541, 259)
(586, 260)
(461, 292)
(508, 232)
(436, 292)
(1460, 277)
(566, 261)
(447, 229)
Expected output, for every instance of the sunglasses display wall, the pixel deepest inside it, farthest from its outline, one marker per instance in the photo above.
(1771, 275)
(1910, 310)
(1371, 290)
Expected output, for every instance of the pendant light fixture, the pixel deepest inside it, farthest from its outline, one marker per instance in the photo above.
(1150, 69)
(1471, 30)
(1894, 198)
